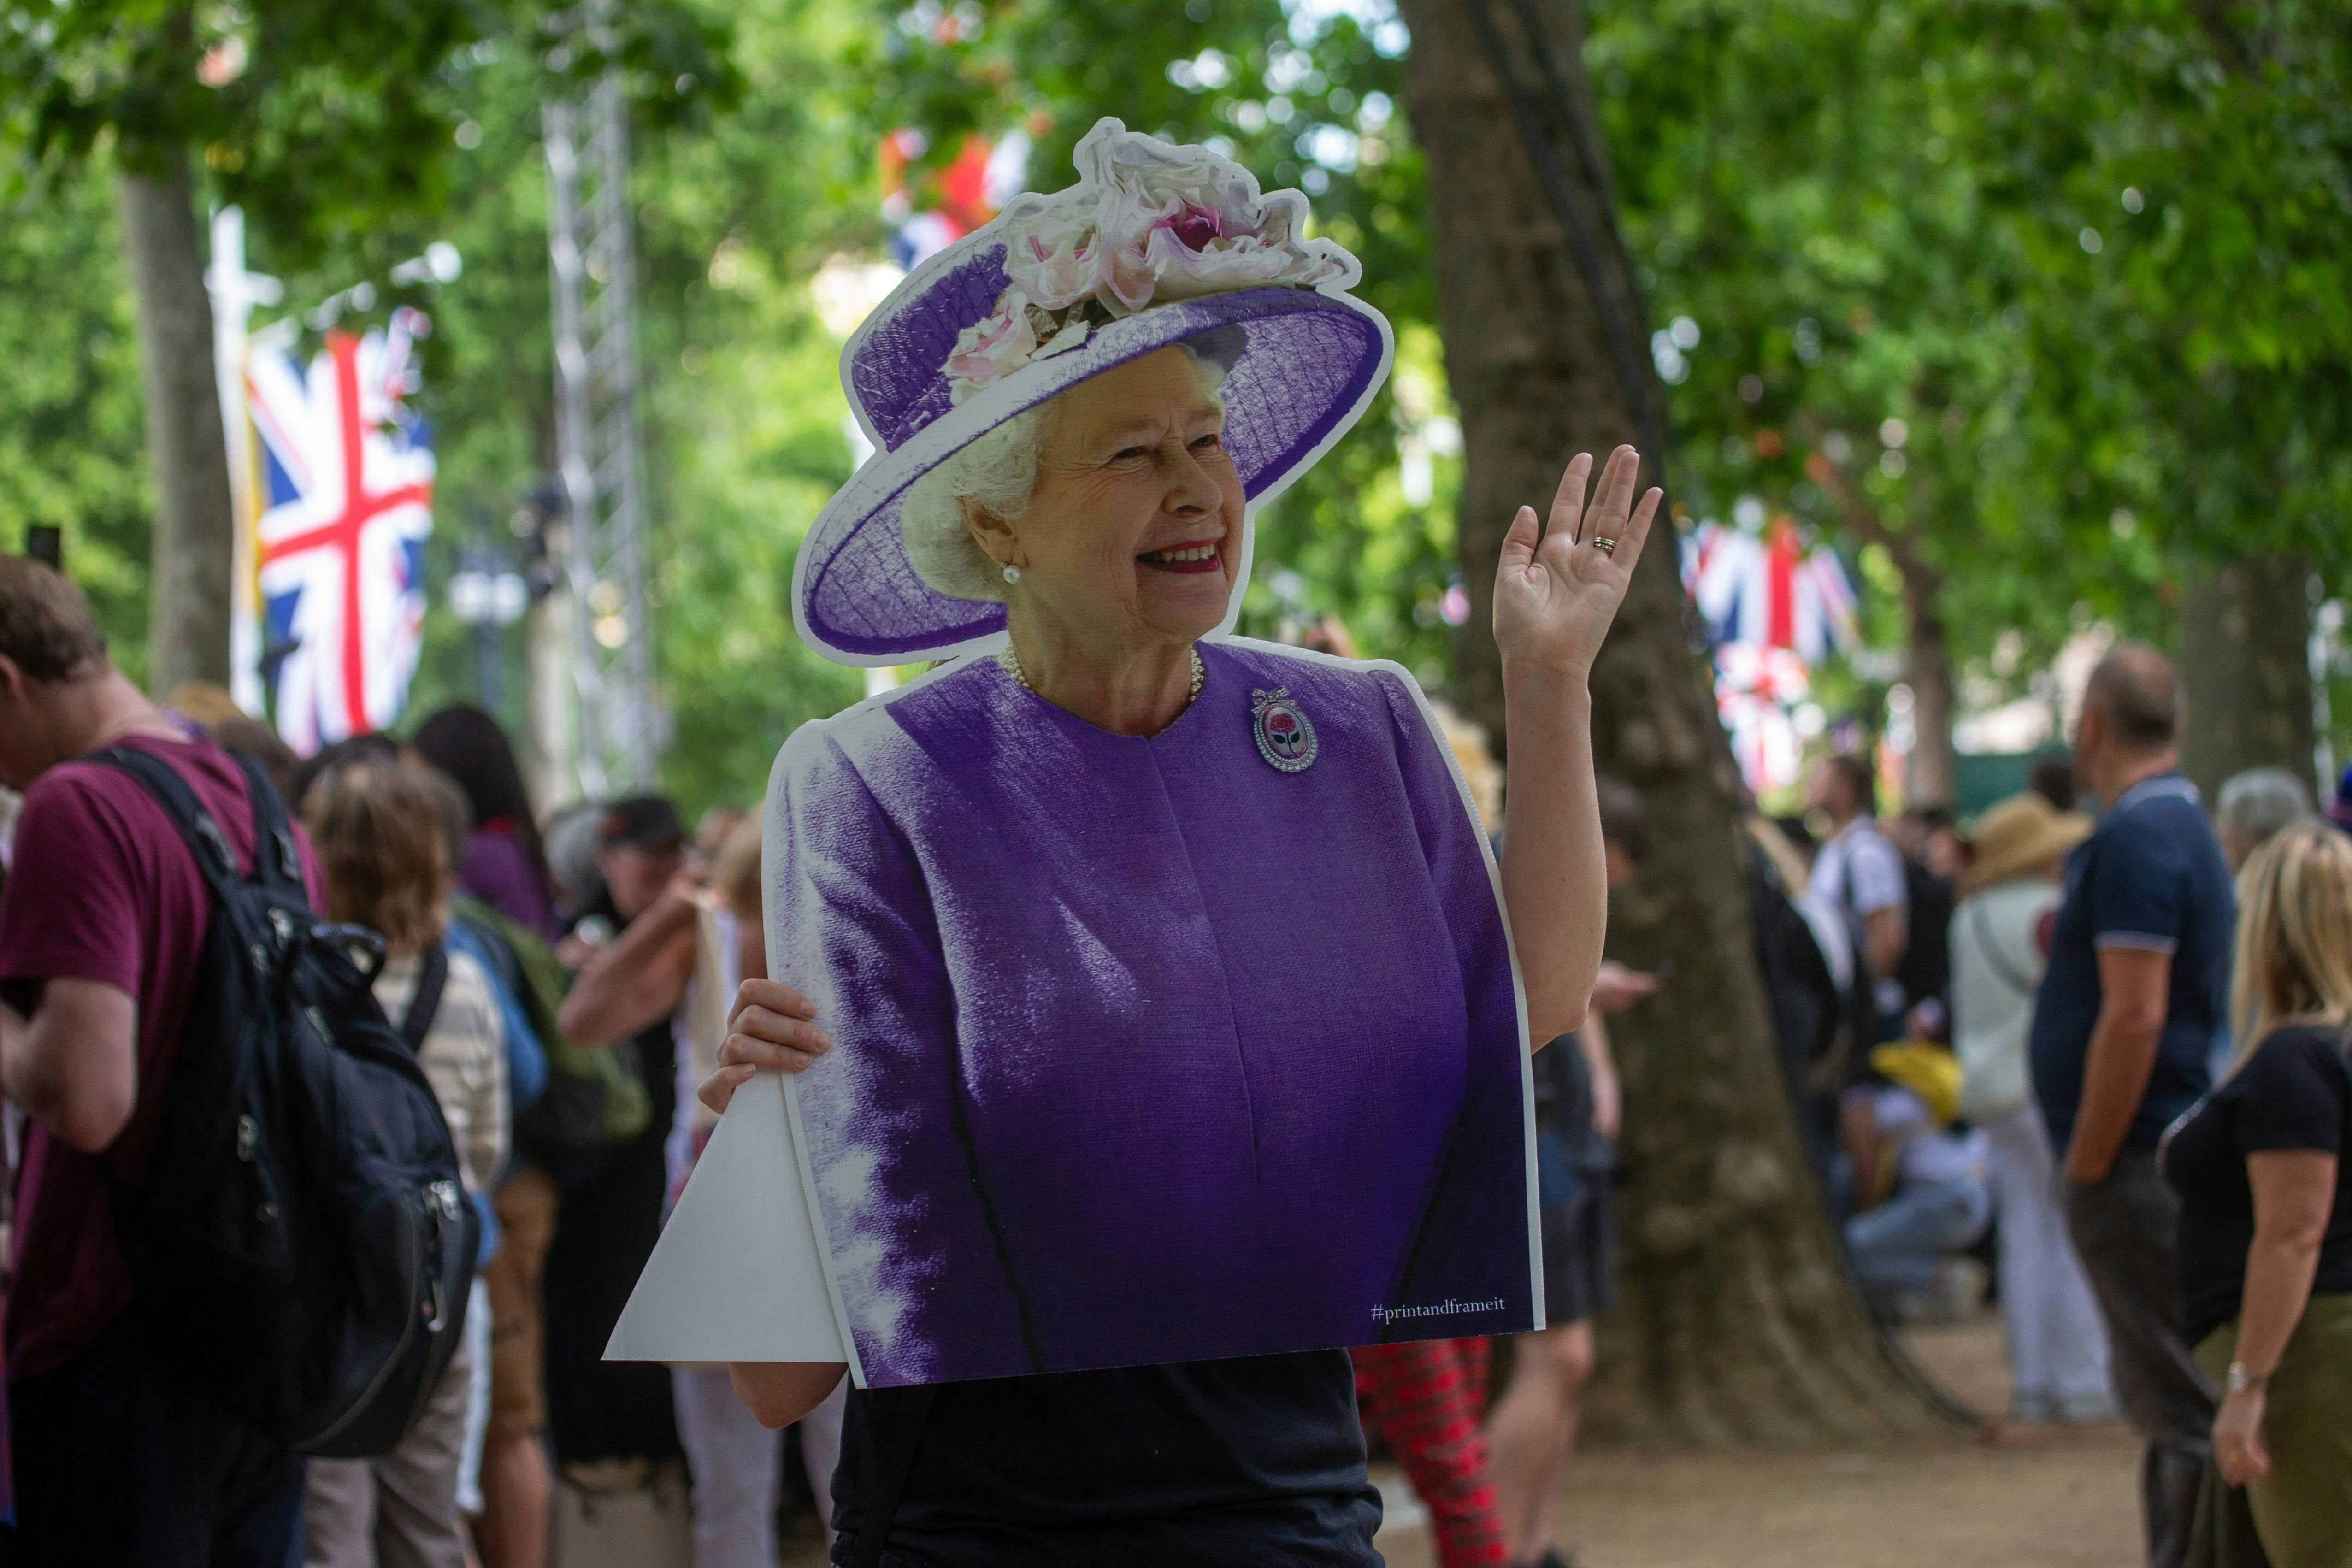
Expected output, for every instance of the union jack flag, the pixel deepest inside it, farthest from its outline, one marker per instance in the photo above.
(346, 482)
(1771, 588)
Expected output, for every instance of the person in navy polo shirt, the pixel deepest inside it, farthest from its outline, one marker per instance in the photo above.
(2123, 1031)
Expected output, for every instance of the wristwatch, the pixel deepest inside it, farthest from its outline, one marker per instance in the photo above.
(2239, 1380)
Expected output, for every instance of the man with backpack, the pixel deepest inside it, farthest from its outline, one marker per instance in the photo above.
(1859, 872)
(242, 1230)
(101, 927)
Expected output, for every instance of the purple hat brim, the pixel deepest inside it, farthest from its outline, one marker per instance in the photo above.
(1311, 363)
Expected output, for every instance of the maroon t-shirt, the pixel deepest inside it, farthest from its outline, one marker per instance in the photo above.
(102, 887)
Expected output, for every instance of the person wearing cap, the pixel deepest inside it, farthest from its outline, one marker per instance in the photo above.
(1173, 1035)
(2000, 944)
(634, 948)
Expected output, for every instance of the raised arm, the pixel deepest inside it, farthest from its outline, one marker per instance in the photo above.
(1556, 592)
(635, 980)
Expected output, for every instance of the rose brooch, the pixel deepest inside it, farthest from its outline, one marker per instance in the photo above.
(1286, 737)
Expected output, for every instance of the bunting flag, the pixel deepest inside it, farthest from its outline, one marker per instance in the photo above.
(1771, 587)
(966, 193)
(1756, 686)
(1774, 605)
(345, 494)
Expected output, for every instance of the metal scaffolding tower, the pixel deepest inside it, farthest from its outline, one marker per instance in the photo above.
(619, 728)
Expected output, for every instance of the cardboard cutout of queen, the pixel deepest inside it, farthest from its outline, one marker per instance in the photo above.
(1172, 1011)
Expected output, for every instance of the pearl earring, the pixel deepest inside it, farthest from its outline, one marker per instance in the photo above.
(1011, 573)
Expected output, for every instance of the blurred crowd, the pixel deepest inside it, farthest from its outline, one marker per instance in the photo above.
(2096, 1067)
(2001, 1040)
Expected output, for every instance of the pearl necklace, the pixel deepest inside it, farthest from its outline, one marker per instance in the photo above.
(1012, 663)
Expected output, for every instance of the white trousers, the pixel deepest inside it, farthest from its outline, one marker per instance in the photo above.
(477, 1400)
(2057, 1346)
(736, 1464)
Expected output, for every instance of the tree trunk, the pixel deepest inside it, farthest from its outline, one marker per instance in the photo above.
(1930, 777)
(2246, 658)
(196, 522)
(1736, 1320)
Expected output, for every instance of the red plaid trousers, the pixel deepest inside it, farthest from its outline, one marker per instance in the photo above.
(1425, 1398)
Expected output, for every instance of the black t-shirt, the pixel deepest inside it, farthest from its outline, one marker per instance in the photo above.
(1927, 968)
(604, 1232)
(2295, 1092)
(1258, 1460)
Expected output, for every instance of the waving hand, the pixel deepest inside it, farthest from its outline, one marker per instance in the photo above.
(1556, 592)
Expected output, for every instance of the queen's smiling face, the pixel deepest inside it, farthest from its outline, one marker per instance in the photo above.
(1133, 533)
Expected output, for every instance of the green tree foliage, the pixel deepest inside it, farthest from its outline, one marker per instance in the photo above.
(1872, 211)
(2180, 175)
(70, 447)
(320, 117)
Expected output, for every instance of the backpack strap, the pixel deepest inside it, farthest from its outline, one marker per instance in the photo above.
(894, 1457)
(276, 862)
(428, 1000)
(215, 859)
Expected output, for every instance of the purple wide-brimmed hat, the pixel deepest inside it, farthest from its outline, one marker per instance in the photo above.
(1156, 244)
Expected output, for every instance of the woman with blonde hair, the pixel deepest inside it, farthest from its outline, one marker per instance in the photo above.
(376, 826)
(2265, 1238)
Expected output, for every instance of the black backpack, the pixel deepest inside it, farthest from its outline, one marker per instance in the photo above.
(302, 1243)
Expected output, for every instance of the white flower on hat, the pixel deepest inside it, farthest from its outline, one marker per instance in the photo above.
(1052, 253)
(991, 347)
(1180, 222)
(1006, 338)
(1147, 223)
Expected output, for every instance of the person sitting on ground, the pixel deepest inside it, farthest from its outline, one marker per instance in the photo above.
(2001, 934)
(2265, 1234)
(2255, 805)
(1917, 1184)
(1532, 1434)
(377, 826)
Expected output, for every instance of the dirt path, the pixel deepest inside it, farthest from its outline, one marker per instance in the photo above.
(2067, 1501)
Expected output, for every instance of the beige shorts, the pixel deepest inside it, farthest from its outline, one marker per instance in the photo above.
(525, 1203)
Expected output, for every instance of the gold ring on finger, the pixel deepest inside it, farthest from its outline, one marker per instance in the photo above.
(1606, 547)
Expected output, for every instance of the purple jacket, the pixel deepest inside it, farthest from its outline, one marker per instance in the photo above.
(1147, 1052)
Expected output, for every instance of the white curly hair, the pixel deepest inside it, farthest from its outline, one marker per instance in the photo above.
(998, 473)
